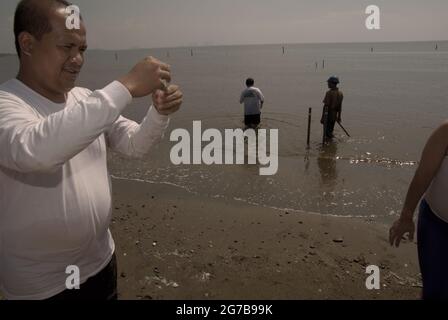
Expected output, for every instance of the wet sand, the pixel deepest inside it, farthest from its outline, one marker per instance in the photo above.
(172, 244)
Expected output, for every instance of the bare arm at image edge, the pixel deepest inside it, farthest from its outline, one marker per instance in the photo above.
(432, 157)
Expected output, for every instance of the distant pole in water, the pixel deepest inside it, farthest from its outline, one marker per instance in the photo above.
(116, 56)
(437, 47)
(309, 128)
(317, 65)
(191, 52)
(283, 50)
(323, 64)
(371, 49)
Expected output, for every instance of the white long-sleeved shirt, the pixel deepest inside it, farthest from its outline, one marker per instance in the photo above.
(55, 190)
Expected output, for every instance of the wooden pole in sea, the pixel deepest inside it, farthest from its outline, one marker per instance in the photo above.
(323, 64)
(283, 50)
(309, 128)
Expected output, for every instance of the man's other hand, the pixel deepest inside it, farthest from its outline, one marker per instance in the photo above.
(168, 101)
(145, 77)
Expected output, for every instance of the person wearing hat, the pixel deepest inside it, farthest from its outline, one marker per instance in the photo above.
(332, 106)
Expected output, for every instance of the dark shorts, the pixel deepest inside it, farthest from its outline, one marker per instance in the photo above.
(432, 236)
(331, 121)
(252, 120)
(102, 286)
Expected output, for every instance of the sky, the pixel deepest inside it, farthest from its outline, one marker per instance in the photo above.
(129, 24)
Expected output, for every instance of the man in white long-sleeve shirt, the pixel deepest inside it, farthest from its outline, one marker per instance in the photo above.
(55, 191)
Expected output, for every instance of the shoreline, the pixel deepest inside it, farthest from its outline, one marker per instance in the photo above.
(244, 202)
(172, 244)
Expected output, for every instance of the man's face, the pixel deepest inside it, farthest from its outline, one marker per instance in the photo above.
(58, 57)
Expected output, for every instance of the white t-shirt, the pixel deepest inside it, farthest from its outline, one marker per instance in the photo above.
(55, 190)
(252, 98)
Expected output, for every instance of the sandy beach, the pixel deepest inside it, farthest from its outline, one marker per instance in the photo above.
(172, 244)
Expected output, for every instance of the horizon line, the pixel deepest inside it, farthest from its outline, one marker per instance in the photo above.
(266, 44)
(254, 44)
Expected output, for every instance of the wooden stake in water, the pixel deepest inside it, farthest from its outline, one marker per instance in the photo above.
(191, 52)
(283, 50)
(309, 128)
(323, 64)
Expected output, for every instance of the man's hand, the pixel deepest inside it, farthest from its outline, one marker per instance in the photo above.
(399, 229)
(146, 77)
(168, 101)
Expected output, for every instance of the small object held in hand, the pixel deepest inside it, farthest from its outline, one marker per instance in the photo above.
(164, 84)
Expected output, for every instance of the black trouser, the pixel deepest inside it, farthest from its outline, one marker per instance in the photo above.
(432, 241)
(330, 127)
(330, 122)
(102, 286)
(252, 120)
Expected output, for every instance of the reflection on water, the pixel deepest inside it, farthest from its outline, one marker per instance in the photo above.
(326, 161)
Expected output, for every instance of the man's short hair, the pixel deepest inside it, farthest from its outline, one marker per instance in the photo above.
(33, 17)
(250, 82)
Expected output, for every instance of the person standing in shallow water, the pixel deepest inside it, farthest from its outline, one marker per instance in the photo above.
(430, 184)
(332, 110)
(253, 100)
